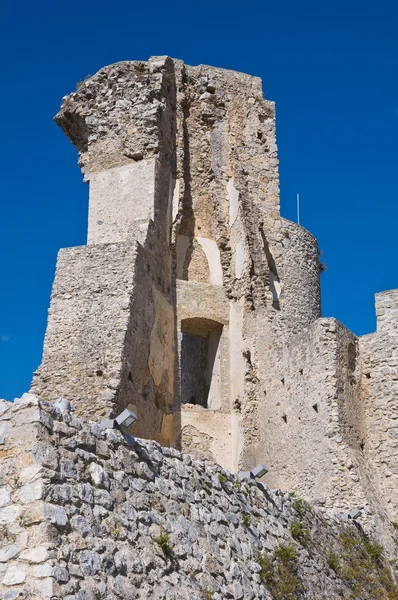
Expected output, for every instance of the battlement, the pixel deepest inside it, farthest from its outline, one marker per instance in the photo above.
(387, 312)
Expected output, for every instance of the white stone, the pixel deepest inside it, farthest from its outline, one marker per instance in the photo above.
(4, 496)
(9, 514)
(28, 474)
(35, 555)
(97, 473)
(4, 429)
(233, 198)
(30, 492)
(212, 252)
(14, 576)
(45, 587)
(8, 552)
(26, 400)
(43, 570)
(55, 514)
(119, 198)
(4, 406)
(239, 259)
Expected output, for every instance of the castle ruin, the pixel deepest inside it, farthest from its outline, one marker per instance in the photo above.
(198, 303)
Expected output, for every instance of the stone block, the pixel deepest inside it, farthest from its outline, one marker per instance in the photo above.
(259, 471)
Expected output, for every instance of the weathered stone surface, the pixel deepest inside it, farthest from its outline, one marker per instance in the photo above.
(191, 530)
(8, 552)
(14, 576)
(196, 302)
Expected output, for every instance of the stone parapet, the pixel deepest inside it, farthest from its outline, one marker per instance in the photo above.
(387, 312)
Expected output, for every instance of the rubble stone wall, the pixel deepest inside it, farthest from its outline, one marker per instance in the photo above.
(88, 513)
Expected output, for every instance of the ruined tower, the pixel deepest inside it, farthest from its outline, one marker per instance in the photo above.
(194, 300)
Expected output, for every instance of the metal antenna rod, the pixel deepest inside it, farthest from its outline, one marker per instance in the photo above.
(298, 209)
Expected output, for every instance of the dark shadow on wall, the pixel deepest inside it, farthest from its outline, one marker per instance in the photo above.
(200, 339)
(273, 277)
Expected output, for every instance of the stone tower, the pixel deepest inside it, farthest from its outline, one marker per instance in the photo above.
(194, 300)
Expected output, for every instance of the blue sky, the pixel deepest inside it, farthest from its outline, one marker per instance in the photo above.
(331, 67)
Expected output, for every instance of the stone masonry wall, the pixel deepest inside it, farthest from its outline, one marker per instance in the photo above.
(301, 291)
(112, 319)
(378, 426)
(305, 434)
(185, 233)
(88, 320)
(88, 513)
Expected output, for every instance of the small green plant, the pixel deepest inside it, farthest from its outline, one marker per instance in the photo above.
(266, 573)
(373, 549)
(222, 478)
(349, 538)
(236, 485)
(163, 541)
(279, 573)
(361, 566)
(333, 561)
(300, 506)
(285, 554)
(208, 595)
(395, 525)
(246, 520)
(116, 529)
(300, 533)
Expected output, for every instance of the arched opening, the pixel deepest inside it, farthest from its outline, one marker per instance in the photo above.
(201, 362)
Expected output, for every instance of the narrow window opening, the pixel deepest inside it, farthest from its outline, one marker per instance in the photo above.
(201, 362)
(283, 380)
(284, 417)
(362, 446)
(301, 371)
(367, 375)
(315, 407)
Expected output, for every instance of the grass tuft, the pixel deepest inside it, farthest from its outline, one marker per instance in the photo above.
(163, 541)
(300, 533)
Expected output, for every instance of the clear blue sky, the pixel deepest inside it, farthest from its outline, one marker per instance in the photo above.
(331, 67)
